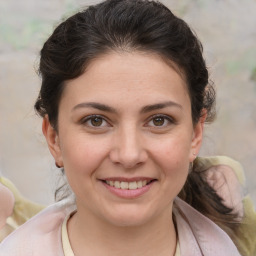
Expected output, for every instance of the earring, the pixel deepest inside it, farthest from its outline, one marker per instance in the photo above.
(190, 167)
(191, 164)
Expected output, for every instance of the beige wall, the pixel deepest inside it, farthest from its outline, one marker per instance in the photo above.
(227, 29)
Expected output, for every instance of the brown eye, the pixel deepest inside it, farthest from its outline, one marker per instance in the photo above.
(96, 121)
(158, 121)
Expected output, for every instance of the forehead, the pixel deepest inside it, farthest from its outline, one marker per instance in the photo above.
(118, 76)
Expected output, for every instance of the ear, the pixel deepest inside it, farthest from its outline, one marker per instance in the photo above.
(52, 139)
(197, 137)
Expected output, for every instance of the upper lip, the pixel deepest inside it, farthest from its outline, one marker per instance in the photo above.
(128, 179)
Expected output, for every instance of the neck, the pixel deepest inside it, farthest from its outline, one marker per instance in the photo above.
(91, 236)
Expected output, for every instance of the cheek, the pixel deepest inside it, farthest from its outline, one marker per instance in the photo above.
(173, 150)
(172, 156)
(82, 156)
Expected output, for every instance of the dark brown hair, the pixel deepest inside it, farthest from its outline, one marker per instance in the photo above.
(128, 25)
(133, 25)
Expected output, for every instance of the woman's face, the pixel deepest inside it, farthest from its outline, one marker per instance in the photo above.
(125, 137)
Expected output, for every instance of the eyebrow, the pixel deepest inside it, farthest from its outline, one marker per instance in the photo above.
(161, 105)
(95, 105)
(145, 109)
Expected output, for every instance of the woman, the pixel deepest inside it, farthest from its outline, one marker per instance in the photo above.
(124, 98)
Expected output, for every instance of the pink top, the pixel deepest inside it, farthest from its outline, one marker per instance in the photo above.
(41, 235)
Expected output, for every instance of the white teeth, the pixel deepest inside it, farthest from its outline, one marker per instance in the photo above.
(127, 185)
(116, 184)
(124, 185)
(139, 184)
(133, 185)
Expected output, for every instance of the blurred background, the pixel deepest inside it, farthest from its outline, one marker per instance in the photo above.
(227, 30)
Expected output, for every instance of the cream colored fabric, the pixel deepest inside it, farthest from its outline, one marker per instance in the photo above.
(41, 235)
(205, 163)
(65, 240)
(7, 202)
(224, 180)
(23, 209)
(231, 195)
(177, 253)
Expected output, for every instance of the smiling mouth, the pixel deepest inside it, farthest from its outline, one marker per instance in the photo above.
(128, 185)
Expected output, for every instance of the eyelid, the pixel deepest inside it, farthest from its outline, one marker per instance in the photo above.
(170, 119)
(89, 117)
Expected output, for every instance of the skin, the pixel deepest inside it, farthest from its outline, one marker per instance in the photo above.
(145, 131)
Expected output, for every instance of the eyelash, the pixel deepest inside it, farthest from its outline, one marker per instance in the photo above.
(166, 118)
(85, 121)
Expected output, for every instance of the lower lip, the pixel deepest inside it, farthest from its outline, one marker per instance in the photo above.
(128, 193)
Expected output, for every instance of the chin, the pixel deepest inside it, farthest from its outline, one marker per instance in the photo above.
(128, 217)
(128, 222)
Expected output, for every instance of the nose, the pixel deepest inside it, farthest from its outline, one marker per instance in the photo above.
(128, 149)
